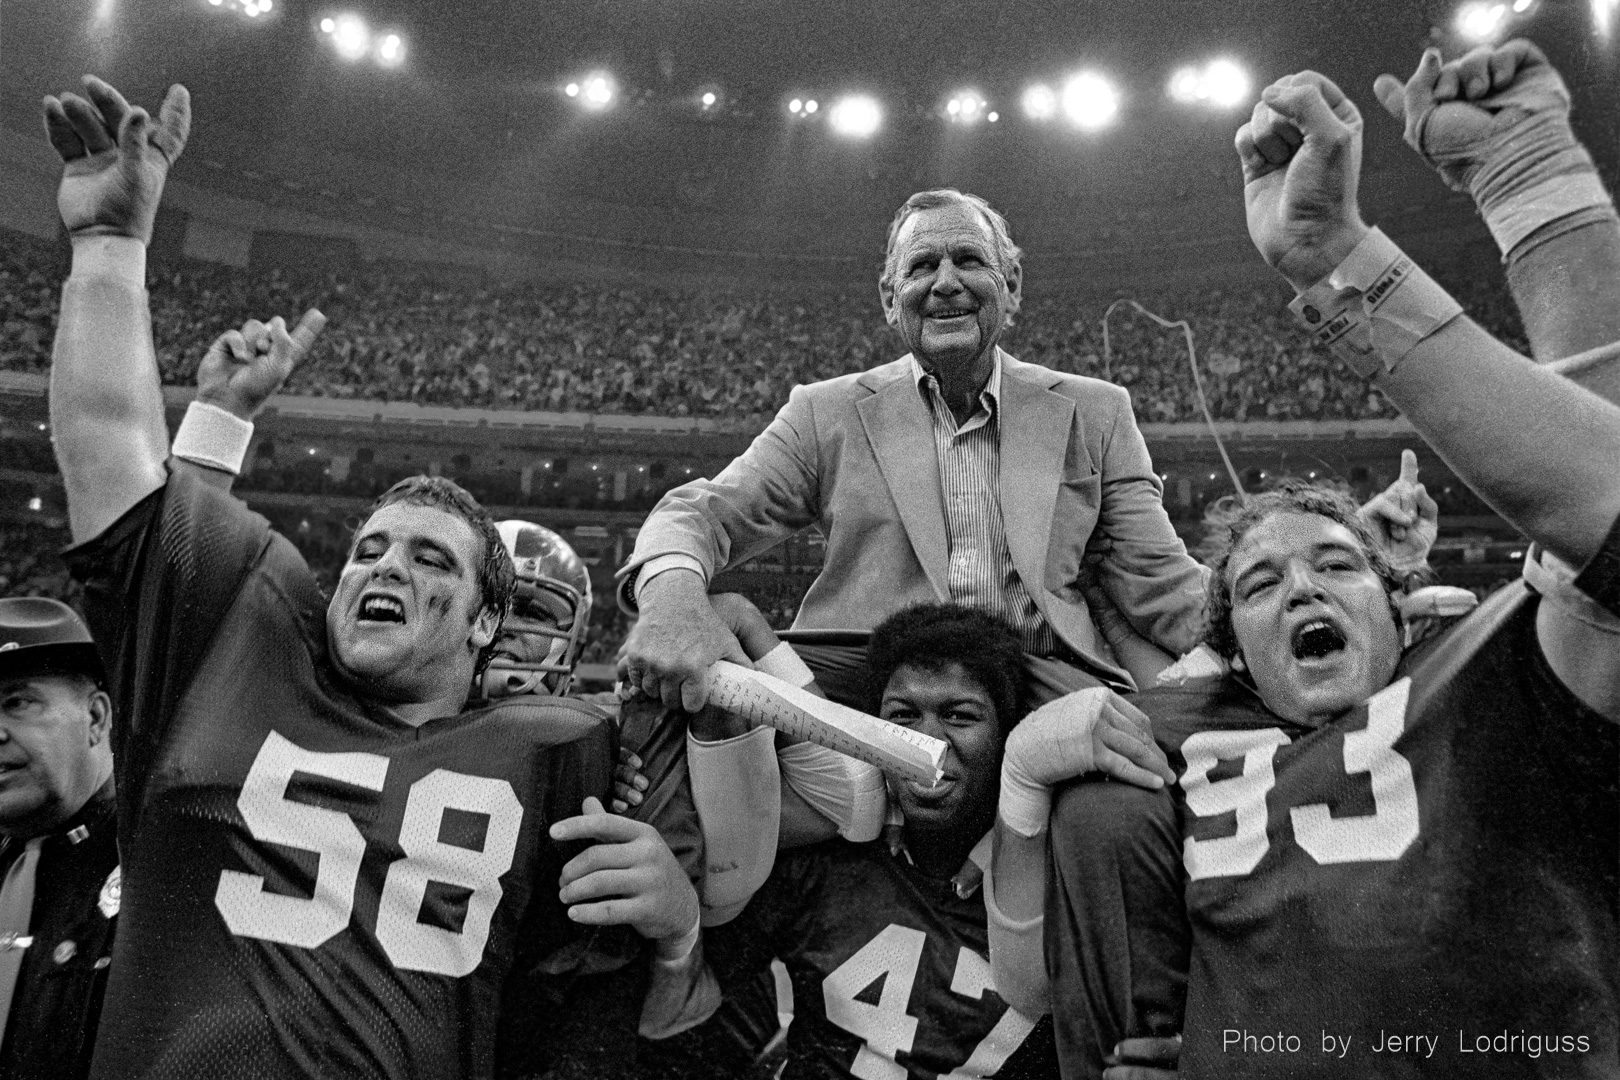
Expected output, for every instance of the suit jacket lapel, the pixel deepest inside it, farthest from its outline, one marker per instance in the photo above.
(902, 437)
(1036, 428)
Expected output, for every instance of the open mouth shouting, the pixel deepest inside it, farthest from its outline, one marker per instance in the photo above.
(380, 608)
(1317, 640)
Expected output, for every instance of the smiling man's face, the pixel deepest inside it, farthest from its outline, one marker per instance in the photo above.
(406, 622)
(1311, 616)
(948, 703)
(948, 296)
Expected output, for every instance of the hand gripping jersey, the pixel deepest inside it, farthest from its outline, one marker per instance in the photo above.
(1425, 887)
(889, 971)
(310, 887)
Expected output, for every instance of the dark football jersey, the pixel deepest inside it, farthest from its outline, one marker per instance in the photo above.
(889, 971)
(310, 886)
(1427, 886)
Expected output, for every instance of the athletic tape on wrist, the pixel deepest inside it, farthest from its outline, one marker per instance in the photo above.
(1513, 218)
(1374, 307)
(783, 663)
(212, 436)
(737, 791)
(849, 793)
(1024, 806)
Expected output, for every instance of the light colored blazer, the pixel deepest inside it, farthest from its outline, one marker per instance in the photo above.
(855, 457)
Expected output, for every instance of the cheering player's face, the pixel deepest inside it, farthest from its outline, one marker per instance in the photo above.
(1312, 620)
(406, 622)
(948, 704)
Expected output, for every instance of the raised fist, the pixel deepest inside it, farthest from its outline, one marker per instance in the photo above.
(1472, 116)
(244, 367)
(115, 158)
(1301, 156)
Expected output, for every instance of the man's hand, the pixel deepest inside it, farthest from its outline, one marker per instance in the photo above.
(1463, 116)
(1091, 730)
(1146, 1058)
(244, 367)
(1301, 156)
(671, 647)
(628, 876)
(629, 782)
(745, 622)
(1404, 519)
(115, 158)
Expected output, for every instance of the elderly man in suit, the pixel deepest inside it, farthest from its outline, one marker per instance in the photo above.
(956, 473)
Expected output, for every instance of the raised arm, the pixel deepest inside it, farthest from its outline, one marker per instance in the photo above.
(1495, 124)
(106, 408)
(1536, 446)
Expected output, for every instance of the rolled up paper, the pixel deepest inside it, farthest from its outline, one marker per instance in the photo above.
(763, 699)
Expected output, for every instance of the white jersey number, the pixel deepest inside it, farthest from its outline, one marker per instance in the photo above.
(250, 911)
(1380, 836)
(895, 955)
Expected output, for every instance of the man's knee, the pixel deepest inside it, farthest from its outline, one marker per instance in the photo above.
(1096, 817)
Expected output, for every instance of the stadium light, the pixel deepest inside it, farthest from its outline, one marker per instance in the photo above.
(390, 51)
(1090, 101)
(597, 90)
(709, 99)
(572, 89)
(350, 37)
(795, 106)
(993, 117)
(810, 107)
(250, 9)
(216, 3)
(1480, 21)
(855, 116)
(965, 107)
(1521, 6)
(1040, 103)
(327, 25)
(1603, 16)
(1219, 83)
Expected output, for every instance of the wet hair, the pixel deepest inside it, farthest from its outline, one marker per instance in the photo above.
(496, 577)
(1008, 254)
(1228, 521)
(934, 636)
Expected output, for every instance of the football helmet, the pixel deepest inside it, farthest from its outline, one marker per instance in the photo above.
(540, 641)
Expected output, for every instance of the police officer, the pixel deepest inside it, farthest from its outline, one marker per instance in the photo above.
(58, 856)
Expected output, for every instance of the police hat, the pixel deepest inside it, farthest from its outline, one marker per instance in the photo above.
(38, 635)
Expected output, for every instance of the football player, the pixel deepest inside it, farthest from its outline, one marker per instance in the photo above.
(885, 943)
(329, 867)
(541, 638)
(1390, 862)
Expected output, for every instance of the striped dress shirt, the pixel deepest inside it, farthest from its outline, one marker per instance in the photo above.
(981, 570)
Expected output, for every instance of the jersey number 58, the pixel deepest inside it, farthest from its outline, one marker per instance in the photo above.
(250, 911)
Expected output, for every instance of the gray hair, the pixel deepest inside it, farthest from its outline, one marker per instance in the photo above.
(1008, 253)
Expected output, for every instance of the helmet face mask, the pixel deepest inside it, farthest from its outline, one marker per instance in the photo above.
(541, 640)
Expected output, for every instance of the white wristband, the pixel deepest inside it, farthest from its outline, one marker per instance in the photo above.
(783, 663)
(1374, 307)
(212, 436)
(120, 257)
(676, 950)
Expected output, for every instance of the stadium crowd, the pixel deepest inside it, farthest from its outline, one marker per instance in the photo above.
(583, 347)
(362, 826)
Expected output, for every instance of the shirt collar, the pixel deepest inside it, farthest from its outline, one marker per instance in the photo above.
(989, 397)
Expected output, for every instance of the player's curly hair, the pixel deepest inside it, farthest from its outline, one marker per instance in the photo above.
(497, 580)
(1228, 521)
(931, 636)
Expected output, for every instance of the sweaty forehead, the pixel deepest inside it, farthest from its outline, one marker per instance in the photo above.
(1286, 535)
(413, 523)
